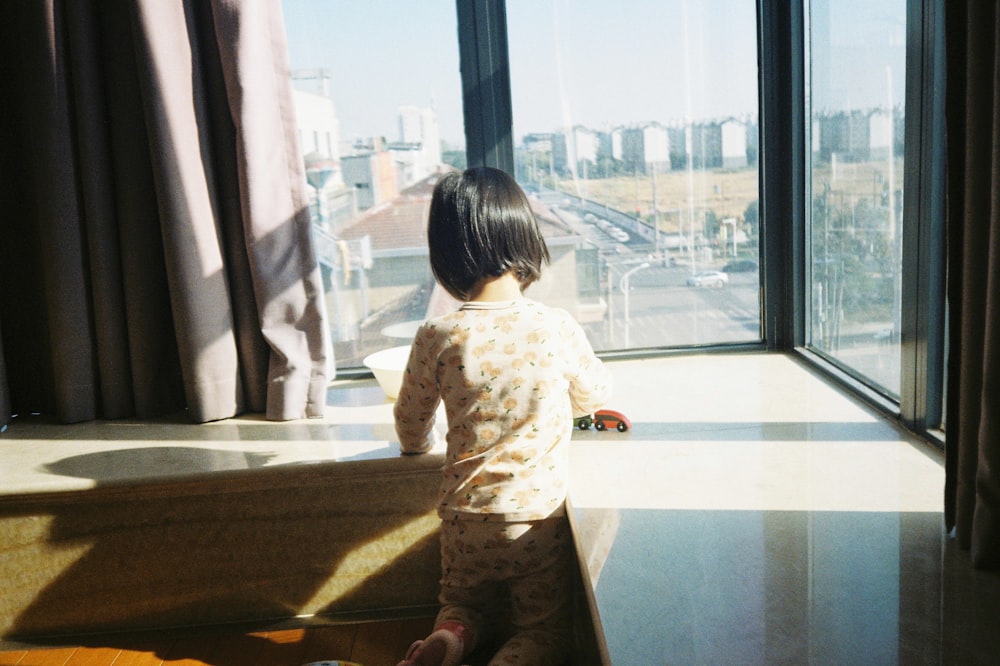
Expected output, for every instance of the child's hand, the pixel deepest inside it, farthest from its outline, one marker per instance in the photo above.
(433, 440)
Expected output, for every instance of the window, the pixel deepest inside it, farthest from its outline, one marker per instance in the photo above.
(638, 147)
(856, 83)
(635, 133)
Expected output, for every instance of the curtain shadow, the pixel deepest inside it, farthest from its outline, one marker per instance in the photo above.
(241, 546)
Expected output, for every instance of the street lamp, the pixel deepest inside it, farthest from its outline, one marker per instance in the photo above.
(623, 286)
(730, 222)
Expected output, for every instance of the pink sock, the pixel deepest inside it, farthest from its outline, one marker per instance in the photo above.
(444, 647)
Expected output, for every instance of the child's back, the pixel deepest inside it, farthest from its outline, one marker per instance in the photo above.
(512, 375)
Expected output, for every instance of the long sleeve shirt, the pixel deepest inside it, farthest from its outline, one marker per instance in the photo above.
(512, 376)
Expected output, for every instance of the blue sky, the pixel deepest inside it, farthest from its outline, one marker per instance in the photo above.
(382, 54)
(591, 62)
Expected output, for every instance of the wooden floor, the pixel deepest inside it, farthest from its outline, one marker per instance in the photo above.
(367, 643)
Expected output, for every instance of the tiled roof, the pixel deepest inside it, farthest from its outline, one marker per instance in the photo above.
(402, 222)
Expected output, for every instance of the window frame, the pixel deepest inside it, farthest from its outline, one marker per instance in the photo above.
(924, 247)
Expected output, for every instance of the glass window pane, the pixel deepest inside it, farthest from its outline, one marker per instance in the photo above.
(856, 94)
(636, 134)
(379, 108)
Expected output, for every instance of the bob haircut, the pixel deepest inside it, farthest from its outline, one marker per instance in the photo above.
(481, 226)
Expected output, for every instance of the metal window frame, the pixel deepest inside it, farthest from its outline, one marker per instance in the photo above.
(486, 97)
(924, 247)
(783, 182)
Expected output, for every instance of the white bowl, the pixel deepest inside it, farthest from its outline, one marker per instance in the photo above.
(388, 366)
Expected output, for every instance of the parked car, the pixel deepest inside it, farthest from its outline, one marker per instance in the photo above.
(740, 266)
(619, 235)
(603, 419)
(716, 279)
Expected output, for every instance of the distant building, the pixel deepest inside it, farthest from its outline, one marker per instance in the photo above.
(331, 202)
(733, 144)
(560, 154)
(605, 145)
(642, 146)
(372, 175)
(418, 151)
(846, 135)
(539, 150)
(574, 149)
(537, 143)
(315, 114)
(679, 152)
(319, 129)
(656, 142)
(582, 145)
(618, 144)
(857, 135)
(409, 163)
(881, 134)
(720, 144)
(706, 145)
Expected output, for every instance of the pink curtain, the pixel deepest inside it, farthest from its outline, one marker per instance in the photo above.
(155, 244)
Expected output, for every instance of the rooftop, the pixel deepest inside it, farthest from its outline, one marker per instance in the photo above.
(401, 223)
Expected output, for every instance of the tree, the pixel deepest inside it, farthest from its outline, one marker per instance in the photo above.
(712, 224)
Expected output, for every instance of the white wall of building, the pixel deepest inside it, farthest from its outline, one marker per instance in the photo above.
(656, 144)
(418, 129)
(734, 144)
(585, 144)
(880, 134)
(319, 129)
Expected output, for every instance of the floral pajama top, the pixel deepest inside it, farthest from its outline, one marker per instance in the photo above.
(512, 376)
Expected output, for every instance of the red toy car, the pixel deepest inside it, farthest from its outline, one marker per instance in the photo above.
(603, 419)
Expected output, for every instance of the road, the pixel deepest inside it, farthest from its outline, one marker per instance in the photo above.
(662, 309)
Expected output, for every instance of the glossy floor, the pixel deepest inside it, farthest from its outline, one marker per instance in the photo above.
(755, 514)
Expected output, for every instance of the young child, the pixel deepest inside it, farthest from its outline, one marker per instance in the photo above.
(512, 374)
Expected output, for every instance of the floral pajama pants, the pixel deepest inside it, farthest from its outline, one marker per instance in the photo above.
(534, 561)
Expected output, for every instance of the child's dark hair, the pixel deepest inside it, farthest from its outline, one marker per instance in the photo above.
(481, 225)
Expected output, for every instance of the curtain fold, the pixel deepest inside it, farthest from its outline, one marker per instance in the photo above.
(252, 46)
(972, 484)
(154, 228)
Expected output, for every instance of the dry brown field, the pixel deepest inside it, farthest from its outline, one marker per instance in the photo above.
(728, 192)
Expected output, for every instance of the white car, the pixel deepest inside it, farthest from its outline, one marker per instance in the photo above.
(716, 279)
(619, 235)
